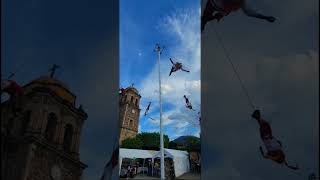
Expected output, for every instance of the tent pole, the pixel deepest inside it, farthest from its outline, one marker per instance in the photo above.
(143, 167)
(152, 167)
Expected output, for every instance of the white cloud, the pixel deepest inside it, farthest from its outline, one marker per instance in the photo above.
(181, 124)
(182, 26)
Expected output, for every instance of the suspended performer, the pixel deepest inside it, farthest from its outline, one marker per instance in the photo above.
(147, 110)
(122, 91)
(11, 87)
(15, 91)
(217, 9)
(176, 66)
(273, 146)
(188, 104)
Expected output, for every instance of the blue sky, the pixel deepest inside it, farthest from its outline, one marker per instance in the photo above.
(176, 26)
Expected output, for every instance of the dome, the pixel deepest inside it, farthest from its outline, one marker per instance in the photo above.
(54, 85)
(132, 89)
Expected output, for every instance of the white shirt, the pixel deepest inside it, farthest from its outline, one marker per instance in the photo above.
(272, 144)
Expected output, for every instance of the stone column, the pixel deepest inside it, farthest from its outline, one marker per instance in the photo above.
(42, 122)
(76, 142)
(29, 156)
(57, 133)
(61, 131)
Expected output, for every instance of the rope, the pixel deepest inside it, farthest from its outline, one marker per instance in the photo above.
(17, 69)
(238, 76)
(234, 68)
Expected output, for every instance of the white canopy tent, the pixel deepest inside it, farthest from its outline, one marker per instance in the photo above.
(180, 160)
(134, 154)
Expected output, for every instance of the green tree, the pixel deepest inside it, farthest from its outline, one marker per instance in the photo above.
(173, 145)
(132, 143)
(193, 144)
(151, 141)
(187, 143)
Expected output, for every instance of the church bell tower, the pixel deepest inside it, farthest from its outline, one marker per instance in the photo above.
(129, 113)
(41, 141)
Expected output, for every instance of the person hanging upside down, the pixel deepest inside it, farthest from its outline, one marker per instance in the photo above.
(11, 87)
(176, 66)
(15, 92)
(148, 107)
(188, 104)
(217, 9)
(273, 146)
(122, 91)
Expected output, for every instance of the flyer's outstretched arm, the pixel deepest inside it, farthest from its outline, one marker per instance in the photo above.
(252, 13)
(186, 99)
(184, 70)
(262, 153)
(148, 108)
(171, 61)
(171, 71)
(291, 167)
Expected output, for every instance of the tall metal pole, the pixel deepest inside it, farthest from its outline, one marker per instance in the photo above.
(158, 49)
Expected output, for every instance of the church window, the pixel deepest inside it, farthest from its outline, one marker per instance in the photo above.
(131, 100)
(51, 127)
(67, 140)
(131, 123)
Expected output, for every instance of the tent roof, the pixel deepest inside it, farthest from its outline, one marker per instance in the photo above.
(136, 153)
(172, 153)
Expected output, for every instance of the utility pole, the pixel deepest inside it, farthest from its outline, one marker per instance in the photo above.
(158, 49)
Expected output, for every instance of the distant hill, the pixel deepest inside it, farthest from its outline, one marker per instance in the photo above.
(184, 139)
(189, 143)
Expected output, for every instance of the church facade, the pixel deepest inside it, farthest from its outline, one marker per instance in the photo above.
(129, 113)
(41, 140)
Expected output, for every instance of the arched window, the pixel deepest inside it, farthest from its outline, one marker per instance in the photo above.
(131, 99)
(131, 123)
(67, 140)
(51, 127)
(136, 102)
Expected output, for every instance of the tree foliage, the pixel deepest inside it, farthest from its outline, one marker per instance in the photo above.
(145, 140)
(132, 143)
(188, 143)
(151, 141)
